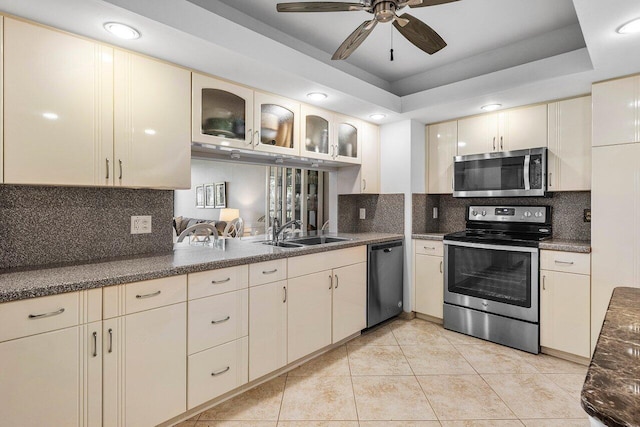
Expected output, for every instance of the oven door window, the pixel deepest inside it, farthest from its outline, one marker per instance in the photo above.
(496, 275)
(505, 173)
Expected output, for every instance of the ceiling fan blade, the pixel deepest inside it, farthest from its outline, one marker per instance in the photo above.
(420, 34)
(319, 6)
(424, 3)
(354, 40)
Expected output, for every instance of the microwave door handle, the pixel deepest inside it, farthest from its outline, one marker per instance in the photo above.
(527, 162)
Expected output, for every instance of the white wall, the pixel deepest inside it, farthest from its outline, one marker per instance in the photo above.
(402, 153)
(246, 189)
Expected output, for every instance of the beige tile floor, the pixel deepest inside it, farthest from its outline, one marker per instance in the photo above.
(412, 374)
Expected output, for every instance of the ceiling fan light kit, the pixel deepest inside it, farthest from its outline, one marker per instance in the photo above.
(417, 32)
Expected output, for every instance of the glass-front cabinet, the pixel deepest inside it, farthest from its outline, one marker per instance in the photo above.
(222, 113)
(317, 133)
(295, 193)
(277, 124)
(348, 139)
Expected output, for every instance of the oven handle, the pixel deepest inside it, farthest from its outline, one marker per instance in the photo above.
(488, 246)
(527, 163)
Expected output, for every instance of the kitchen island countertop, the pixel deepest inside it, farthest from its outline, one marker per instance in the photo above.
(22, 284)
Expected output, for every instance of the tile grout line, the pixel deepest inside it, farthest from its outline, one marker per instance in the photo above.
(286, 380)
(353, 391)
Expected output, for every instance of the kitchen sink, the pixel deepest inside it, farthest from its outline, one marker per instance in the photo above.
(319, 240)
(289, 245)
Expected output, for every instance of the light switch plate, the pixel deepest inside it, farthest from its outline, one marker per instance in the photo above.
(141, 224)
(363, 213)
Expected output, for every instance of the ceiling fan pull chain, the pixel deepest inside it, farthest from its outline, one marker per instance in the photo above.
(391, 44)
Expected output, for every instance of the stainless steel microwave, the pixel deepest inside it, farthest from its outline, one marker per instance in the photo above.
(520, 173)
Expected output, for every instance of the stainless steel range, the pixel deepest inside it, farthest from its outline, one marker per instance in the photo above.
(491, 275)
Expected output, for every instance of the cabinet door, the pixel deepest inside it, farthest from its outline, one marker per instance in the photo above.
(41, 379)
(152, 112)
(155, 360)
(615, 111)
(92, 374)
(309, 320)
(370, 169)
(429, 285)
(277, 121)
(348, 139)
(349, 300)
(478, 135)
(615, 195)
(112, 372)
(564, 312)
(569, 157)
(58, 108)
(317, 133)
(523, 128)
(222, 113)
(442, 139)
(267, 328)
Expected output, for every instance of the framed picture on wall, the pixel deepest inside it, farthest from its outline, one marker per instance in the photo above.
(221, 195)
(199, 196)
(209, 196)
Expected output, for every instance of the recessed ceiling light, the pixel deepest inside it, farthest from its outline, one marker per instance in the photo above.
(630, 27)
(317, 96)
(378, 116)
(50, 116)
(150, 131)
(491, 107)
(121, 30)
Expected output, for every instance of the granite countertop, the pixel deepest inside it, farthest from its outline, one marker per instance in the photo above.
(579, 246)
(428, 236)
(611, 391)
(44, 281)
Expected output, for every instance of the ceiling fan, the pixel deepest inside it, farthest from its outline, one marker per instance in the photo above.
(413, 29)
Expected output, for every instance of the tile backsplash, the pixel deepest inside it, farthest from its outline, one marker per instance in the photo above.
(384, 213)
(567, 212)
(53, 225)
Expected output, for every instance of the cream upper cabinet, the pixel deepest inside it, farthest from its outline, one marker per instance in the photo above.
(569, 156)
(565, 304)
(349, 301)
(616, 111)
(370, 169)
(152, 111)
(58, 108)
(347, 139)
(222, 112)
(441, 149)
(509, 130)
(615, 256)
(277, 124)
(317, 133)
(309, 314)
(428, 278)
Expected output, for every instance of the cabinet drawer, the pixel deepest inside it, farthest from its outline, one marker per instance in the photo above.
(37, 315)
(216, 371)
(429, 247)
(314, 263)
(565, 261)
(140, 296)
(218, 319)
(267, 272)
(214, 282)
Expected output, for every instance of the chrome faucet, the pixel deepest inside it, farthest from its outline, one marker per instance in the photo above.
(276, 230)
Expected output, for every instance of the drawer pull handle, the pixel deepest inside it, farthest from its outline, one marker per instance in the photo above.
(330, 282)
(43, 315)
(564, 262)
(154, 294)
(215, 322)
(337, 282)
(95, 344)
(270, 271)
(429, 248)
(544, 283)
(215, 374)
(110, 340)
(216, 282)
(440, 267)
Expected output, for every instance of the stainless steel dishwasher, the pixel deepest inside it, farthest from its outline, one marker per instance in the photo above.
(384, 281)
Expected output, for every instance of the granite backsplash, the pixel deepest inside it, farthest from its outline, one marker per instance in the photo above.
(57, 225)
(567, 212)
(384, 212)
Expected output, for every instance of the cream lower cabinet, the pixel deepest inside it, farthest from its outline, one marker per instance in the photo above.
(565, 302)
(428, 277)
(55, 376)
(145, 352)
(349, 300)
(441, 149)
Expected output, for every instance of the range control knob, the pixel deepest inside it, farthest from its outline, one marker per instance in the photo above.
(484, 213)
(474, 213)
(538, 214)
(527, 214)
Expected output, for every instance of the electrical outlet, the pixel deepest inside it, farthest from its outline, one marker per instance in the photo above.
(435, 213)
(587, 215)
(363, 213)
(141, 224)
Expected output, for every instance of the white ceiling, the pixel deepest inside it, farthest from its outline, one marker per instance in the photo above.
(512, 52)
